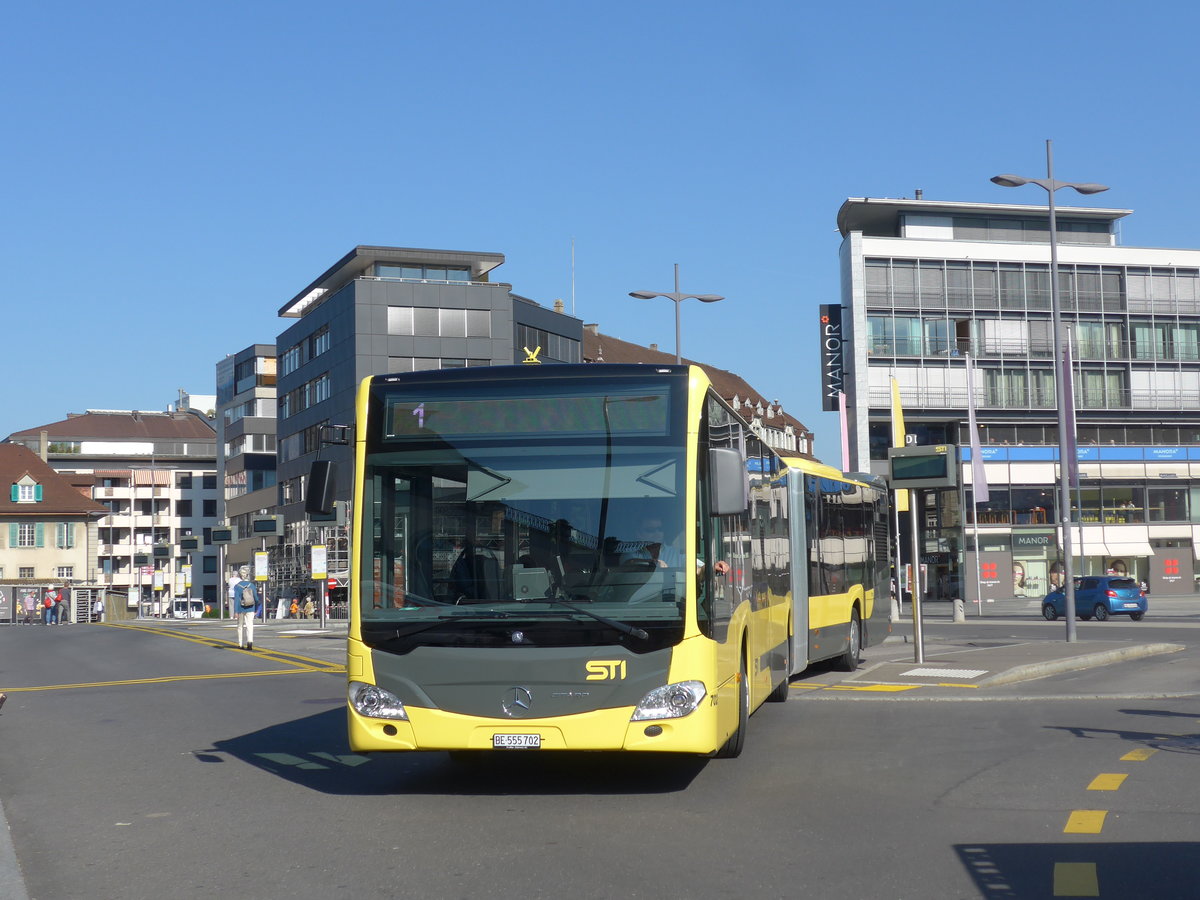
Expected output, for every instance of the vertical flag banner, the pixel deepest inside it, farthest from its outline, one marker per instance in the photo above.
(845, 423)
(979, 485)
(898, 438)
(1068, 399)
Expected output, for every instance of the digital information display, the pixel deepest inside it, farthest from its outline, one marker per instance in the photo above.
(644, 413)
(934, 466)
(265, 525)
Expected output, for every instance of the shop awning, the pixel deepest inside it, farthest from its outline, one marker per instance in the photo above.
(1092, 543)
(1140, 549)
(1128, 540)
(155, 477)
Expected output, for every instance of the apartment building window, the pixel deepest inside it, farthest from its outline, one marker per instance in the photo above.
(65, 573)
(289, 447)
(183, 508)
(320, 389)
(26, 493)
(1168, 504)
(982, 228)
(424, 364)
(318, 342)
(423, 321)
(290, 360)
(210, 508)
(422, 273)
(208, 482)
(1101, 389)
(25, 572)
(64, 535)
(554, 346)
(26, 534)
(1018, 388)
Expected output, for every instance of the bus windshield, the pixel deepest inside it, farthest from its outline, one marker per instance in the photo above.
(565, 536)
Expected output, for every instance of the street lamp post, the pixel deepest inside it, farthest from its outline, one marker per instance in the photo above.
(1060, 376)
(678, 298)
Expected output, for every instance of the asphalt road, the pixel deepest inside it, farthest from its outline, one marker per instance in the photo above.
(160, 764)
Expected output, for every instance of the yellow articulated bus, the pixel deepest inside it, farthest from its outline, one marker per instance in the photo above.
(592, 557)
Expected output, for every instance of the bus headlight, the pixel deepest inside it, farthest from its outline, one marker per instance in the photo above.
(672, 701)
(369, 700)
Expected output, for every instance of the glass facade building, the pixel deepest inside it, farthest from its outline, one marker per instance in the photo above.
(931, 287)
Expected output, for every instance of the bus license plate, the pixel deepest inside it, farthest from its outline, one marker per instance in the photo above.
(516, 741)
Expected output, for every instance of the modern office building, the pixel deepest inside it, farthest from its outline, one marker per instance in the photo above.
(155, 472)
(245, 422)
(930, 287)
(379, 310)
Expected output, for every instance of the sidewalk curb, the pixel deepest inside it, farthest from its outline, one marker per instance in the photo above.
(1077, 663)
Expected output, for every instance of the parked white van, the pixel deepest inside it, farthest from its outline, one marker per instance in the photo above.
(184, 608)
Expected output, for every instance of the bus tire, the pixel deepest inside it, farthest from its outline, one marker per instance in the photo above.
(848, 661)
(780, 693)
(732, 748)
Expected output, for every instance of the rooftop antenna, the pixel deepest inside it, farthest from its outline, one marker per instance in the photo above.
(572, 275)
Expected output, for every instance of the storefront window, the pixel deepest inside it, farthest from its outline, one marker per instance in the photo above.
(1168, 504)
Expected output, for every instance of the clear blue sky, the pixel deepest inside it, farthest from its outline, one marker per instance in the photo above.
(175, 171)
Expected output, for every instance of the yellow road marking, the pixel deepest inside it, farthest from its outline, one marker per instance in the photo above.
(1107, 782)
(1139, 755)
(221, 643)
(1076, 880)
(890, 688)
(165, 679)
(1086, 821)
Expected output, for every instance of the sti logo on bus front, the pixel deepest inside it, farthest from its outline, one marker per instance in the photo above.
(605, 669)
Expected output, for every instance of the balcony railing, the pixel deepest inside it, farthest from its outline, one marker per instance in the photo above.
(1005, 398)
(1017, 348)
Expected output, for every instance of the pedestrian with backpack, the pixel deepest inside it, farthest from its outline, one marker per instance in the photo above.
(245, 602)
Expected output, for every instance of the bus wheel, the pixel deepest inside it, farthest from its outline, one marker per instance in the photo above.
(780, 694)
(732, 748)
(848, 661)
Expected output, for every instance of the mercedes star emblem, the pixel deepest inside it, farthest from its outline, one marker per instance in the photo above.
(516, 702)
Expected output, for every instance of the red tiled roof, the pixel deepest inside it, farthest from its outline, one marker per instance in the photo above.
(61, 494)
(128, 425)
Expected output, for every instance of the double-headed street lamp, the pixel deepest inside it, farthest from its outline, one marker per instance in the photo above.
(1065, 445)
(678, 298)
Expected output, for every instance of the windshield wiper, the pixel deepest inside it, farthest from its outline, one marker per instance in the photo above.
(623, 627)
(397, 634)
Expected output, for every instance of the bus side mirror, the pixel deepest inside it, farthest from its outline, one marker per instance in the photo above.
(728, 489)
(319, 493)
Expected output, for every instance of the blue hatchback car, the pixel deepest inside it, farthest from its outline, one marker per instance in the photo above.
(1098, 597)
